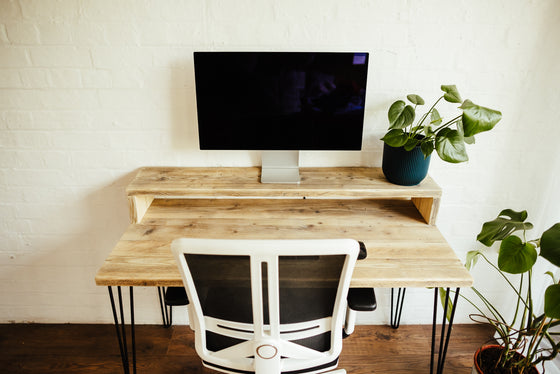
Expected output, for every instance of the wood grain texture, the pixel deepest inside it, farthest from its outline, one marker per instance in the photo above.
(333, 183)
(341, 182)
(138, 205)
(53, 349)
(428, 208)
(402, 250)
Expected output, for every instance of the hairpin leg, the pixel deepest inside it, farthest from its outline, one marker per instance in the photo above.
(166, 314)
(396, 308)
(445, 334)
(121, 329)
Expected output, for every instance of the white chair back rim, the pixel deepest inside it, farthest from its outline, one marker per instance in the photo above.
(266, 251)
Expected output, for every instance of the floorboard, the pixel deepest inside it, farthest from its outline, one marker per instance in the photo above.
(73, 348)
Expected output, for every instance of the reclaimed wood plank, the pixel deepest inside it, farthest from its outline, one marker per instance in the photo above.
(402, 250)
(341, 182)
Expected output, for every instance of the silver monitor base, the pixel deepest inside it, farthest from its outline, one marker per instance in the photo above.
(280, 167)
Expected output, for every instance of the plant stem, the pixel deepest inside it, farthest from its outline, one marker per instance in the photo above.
(423, 118)
(506, 278)
(536, 338)
(449, 123)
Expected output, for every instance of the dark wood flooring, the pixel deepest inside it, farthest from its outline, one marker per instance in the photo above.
(38, 348)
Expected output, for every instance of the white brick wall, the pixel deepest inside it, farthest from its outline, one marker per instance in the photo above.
(91, 90)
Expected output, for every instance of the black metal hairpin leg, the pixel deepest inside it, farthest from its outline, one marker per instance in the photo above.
(444, 335)
(121, 330)
(166, 314)
(396, 308)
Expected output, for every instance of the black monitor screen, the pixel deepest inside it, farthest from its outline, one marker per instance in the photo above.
(280, 100)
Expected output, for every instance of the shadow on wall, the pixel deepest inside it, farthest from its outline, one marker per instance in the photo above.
(375, 126)
(182, 106)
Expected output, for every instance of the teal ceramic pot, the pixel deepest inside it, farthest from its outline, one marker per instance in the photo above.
(405, 168)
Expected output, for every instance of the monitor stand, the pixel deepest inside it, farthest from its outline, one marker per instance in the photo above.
(280, 167)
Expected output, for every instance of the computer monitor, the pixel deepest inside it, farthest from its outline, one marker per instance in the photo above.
(280, 103)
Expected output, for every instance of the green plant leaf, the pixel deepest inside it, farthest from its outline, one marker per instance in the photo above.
(395, 138)
(435, 118)
(427, 148)
(469, 140)
(551, 275)
(472, 259)
(428, 131)
(507, 222)
(467, 104)
(450, 146)
(552, 301)
(516, 257)
(410, 144)
(477, 119)
(451, 93)
(415, 99)
(550, 244)
(400, 115)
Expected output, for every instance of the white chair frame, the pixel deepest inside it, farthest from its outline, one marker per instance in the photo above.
(267, 343)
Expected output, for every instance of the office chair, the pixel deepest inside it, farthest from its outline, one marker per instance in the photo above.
(267, 306)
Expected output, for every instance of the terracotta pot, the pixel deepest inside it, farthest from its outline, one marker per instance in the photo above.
(476, 368)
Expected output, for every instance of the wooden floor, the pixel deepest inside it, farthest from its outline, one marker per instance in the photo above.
(35, 348)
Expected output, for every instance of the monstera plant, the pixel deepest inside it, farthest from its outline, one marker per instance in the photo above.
(431, 132)
(527, 338)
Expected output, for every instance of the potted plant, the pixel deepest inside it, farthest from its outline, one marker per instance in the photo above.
(409, 145)
(526, 339)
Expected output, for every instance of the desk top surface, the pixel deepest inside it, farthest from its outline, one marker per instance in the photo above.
(403, 251)
(332, 182)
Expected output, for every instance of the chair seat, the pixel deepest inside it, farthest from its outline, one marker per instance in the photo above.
(362, 299)
(176, 296)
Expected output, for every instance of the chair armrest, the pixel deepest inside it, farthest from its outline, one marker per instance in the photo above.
(362, 299)
(363, 251)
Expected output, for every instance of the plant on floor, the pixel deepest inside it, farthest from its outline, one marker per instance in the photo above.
(431, 132)
(528, 332)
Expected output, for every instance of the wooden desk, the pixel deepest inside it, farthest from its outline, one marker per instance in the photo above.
(395, 223)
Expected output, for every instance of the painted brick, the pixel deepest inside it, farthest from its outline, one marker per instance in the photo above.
(65, 78)
(127, 78)
(14, 57)
(244, 11)
(96, 78)
(118, 58)
(179, 11)
(88, 33)
(35, 78)
(61, 56)
(55, 33)
(10, 78)
(15, 120)
(56, 10)
(10, 10)
(22, 33)
(107, 10)
(59, 99)
(122, 33)
(67, 120)
(3, 35)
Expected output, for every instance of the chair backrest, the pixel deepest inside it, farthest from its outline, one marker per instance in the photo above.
(267, 306)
